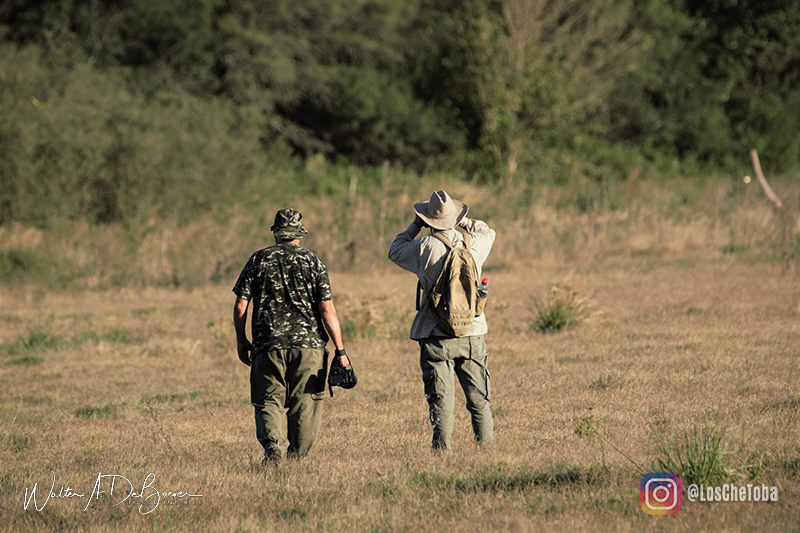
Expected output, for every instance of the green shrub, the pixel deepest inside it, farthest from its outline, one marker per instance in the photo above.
(560, 309)
(697, 457)
(37, 340)
(78, 143)
(20, 265)
(40, 339)
(106, 411)
(27, 360)
(16, 442)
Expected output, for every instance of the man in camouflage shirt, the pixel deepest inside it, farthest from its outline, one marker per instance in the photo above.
(293, 316)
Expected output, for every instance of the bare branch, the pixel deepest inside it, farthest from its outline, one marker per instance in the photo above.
(763, 181)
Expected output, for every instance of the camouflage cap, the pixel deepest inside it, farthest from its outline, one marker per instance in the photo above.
(288, 225)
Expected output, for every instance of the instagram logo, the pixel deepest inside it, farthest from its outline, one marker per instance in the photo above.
(661, 493)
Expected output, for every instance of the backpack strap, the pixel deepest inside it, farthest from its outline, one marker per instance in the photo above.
(440, 236)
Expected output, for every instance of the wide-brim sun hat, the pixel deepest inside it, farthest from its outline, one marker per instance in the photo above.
(441, 211)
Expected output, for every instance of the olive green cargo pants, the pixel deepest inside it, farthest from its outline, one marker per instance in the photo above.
(286, 390)
(441, 360)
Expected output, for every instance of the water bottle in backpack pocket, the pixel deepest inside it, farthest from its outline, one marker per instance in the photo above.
(483, 293)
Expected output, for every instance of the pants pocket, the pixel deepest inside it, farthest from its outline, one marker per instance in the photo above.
(431, 382)
(434, 350)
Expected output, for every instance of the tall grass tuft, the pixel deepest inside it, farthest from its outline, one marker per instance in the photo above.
(560, 309)
(40, 339)
(37, 340)
(698, 457)
(110, 410)
(21, 265)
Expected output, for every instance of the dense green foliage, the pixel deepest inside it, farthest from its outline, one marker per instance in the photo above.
(723, 79)
(127, 109)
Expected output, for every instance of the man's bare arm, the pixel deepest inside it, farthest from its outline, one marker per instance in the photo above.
(239, 323)
(331, 320)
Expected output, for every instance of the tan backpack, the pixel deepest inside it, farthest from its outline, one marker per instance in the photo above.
(454, 297)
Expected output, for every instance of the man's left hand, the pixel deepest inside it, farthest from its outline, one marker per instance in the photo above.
(243, 349)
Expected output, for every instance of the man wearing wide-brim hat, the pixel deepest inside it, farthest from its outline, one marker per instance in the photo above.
(444, 357)
(293, 316)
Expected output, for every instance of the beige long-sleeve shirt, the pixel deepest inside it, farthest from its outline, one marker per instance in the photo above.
(425, 258)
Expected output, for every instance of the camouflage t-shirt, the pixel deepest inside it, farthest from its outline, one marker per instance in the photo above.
(286, 284)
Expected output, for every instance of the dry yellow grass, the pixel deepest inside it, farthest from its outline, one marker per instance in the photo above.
(641, 220)
(131, 382)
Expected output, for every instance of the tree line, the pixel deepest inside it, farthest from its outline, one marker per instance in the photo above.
(111, 107)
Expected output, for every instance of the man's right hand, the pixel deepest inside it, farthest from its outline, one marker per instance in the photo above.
(419, 222)
(243, 349)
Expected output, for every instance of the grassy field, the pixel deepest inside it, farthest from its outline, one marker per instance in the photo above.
(136, 381)
(117, 359)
